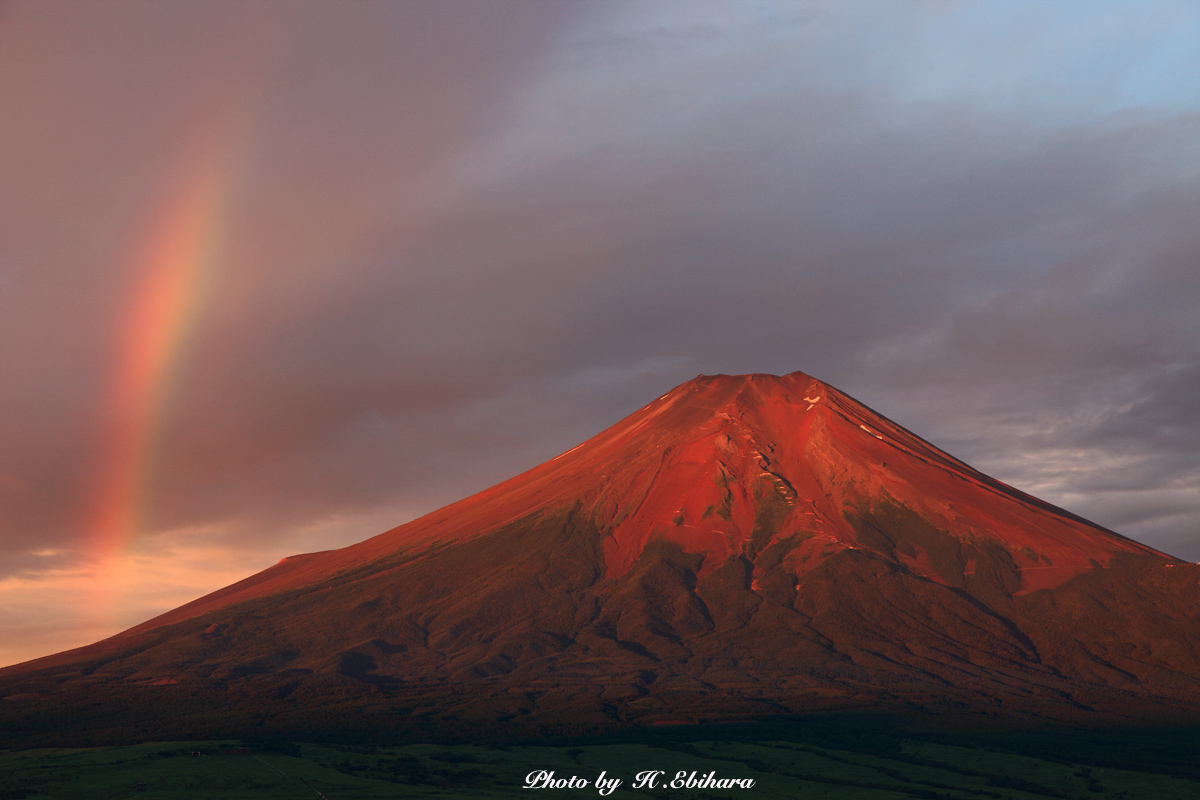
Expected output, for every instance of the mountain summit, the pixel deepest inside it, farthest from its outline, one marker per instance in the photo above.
(742, 545)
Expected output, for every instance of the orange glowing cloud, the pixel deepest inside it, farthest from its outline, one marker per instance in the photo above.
(55, 608)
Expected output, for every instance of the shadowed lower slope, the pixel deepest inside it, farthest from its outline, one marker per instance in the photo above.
(741, 546)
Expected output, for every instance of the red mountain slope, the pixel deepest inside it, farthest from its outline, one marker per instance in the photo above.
(694, 466)
(739, 544)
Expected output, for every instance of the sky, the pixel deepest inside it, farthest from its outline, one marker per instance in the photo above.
(278, 276)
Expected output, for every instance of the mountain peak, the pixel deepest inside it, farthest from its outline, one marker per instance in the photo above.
(720, 460)
(731, 466)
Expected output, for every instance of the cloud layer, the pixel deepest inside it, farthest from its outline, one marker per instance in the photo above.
(462, 237)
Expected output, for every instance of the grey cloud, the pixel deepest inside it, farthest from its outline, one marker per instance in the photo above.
(342, 115)
(683, 264)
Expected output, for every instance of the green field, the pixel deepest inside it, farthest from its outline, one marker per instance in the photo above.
(232, 770)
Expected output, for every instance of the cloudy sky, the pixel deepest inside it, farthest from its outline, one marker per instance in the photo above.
(277, 276)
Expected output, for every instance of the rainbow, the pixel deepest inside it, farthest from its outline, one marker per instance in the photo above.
(171, 263)
(172, 271)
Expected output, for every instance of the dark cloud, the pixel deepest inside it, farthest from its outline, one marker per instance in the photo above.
(335, 118)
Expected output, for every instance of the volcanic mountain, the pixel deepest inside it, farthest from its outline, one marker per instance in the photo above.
(741, 546)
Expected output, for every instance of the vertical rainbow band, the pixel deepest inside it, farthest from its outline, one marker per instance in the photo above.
(172, 264)
(167, 295)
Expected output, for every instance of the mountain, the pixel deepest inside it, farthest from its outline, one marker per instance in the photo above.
(742, 546)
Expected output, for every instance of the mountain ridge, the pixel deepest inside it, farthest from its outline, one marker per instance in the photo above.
(740, 545)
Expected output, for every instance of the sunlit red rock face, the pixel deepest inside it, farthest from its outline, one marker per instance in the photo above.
(699, 465)
(740, 545)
